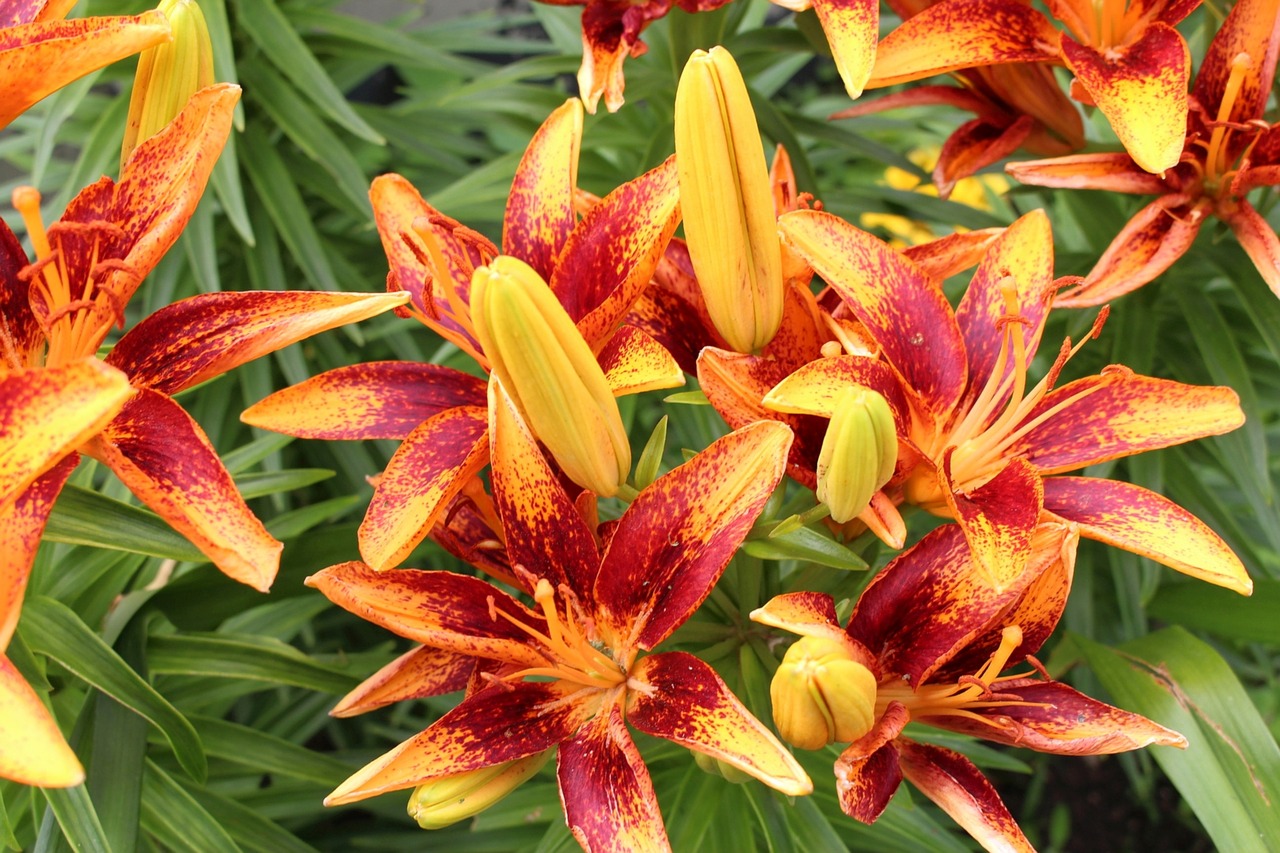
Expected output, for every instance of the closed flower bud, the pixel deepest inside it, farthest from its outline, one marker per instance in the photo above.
(446, 801)
(822, 695)
(858, 452)
(716, 767)
(725, 194)
(550, 373)
(168, 74)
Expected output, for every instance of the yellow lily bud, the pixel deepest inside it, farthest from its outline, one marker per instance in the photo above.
(716, 767)
(446, 801)
(858, 452)
(168, 74)
(822, 695)
(540, 358)
(729, 222)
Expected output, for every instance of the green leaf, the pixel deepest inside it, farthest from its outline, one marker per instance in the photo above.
(271, 482)
(244, 656)
(284, 48)
(175, 818)
(1221, 611)
(77, 819)
(55, 630)
(83, 517)
(265, 753)
(1230, 772)
(805, 544)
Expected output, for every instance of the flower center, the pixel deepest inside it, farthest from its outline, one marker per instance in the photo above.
(75, 317)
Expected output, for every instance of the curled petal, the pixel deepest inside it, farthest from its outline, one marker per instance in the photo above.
(22, 523)
(944, 257)
(164, 457)
(380, 399)
(962, 34)
(430, 467)
(1115, 172)
(674, 541)
(867, 772)
(809, 614)
(999, 519)
(633, 362)
(416, 674)
(960, 790)
(975, 145)
(447, 611)
(1259, 241)
(18, 326)
(1119, 413)
(683, 700)
(814, 388)
(1141, 88)
(32, 748)
(1146, 523)
(539, 214)
(499, 724)
(851, 28)
(1049, 716)
(606, 790)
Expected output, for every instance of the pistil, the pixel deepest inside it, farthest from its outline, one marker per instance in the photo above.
(573, 657)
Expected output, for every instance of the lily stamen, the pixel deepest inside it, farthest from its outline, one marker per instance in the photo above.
(1239, 67)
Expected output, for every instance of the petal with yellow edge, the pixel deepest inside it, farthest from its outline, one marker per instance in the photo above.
(196, 339)
(452, 612)
(867, 771)
(1138, 520)
(164, 457)
(809, 614)
(1259, 241)
(1049, 716)
(1113, 171)
(674, 541)
(545, 534)
(38, 58)
(975, 145)
(963, 34)
(22, 522)
(814, 388)
(1141, 88)
(378, 399)
(686, 702)
(539, 215)
(634, 362)
(1119, 413)
(926, 605)
(606, 790)
(498, 724)
(416, 674)
(32, 748)
(998, 519)
(903, 312)
(960, 790)
(46, 413)
(851, 28)
(944, 257)
(610, 255)
(431, 465)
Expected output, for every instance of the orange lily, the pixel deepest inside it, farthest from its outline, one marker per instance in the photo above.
(978, 442)
(40, 53)
(1229, 150)
(597, 267)
(936, 641)
(596, 608)
(1127, 57)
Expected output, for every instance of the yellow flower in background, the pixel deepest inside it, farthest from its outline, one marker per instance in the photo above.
(977, 191)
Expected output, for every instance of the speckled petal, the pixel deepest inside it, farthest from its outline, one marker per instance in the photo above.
(416, 674)
(22, 522)
(867, 772)
(634, 362)
(539, 214)
(32, 748)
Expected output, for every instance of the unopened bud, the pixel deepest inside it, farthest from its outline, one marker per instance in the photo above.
(446, 801)
(822, 695)
(546, 367)
(716, 767)
(168, 74)
(725, 194)
(858, 452)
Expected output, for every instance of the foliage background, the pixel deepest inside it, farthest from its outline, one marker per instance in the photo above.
(200, 705)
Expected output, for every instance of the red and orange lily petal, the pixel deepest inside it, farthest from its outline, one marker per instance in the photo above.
(597, 266)
(978, 441)
(1127, 57)
(40, 53)
(594, 612)
(938, 639)
(1229, 149)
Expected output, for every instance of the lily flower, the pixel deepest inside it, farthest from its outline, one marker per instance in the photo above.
(40, 53)
(978, 441)
(1229, 150)
(931, 643)
(1127, 57)
(596, 267)
(597, 607)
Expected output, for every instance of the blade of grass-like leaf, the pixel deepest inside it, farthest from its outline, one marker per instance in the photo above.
(224, 59)
(244, 656)
(176, 820)
(119, 748)
(83, 517)
(272, 31)
(59, 107)
(7, 838)
(805, 544)
(100, 151)
(295, 522)
(397, 47)
(77, 819)
(248, 828)
(283, 203)
(53, 629)
(229, 190)
(265, 753)
(1230, 772)
(270, 482)
(248, 455)
(201, 249)
(1221, 611)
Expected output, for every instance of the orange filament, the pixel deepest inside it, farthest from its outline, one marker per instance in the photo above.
(572, 656)
(1215, 170)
